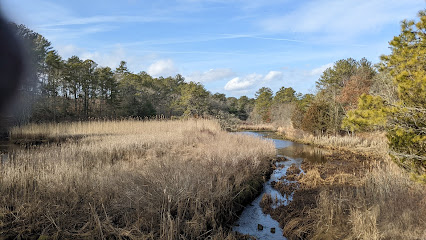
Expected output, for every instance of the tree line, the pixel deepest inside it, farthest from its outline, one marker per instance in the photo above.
(74, 89)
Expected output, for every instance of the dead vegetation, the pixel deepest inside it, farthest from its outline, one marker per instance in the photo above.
(286, 189)
(292, 173)
(354, 196)
(130, 180)
(256, 127)
(266, 203)
(366, 142)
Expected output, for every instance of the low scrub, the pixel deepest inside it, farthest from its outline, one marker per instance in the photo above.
(130, 180)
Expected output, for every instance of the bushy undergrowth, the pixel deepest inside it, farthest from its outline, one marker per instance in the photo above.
(130, 180)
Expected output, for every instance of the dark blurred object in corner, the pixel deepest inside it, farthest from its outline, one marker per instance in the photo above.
(11, 70)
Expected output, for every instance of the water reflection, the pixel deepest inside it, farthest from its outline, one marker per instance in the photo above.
(292, 149)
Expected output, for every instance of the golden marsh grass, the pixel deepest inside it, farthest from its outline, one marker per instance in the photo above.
(130, 180)
(367, 142)
(382, 203)
(256, 127)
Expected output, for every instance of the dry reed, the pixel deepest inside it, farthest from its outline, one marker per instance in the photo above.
(256, 127)
(367, 142)
(384, 204)
(130, 180)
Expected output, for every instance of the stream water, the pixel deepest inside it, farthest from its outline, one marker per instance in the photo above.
(252, 214)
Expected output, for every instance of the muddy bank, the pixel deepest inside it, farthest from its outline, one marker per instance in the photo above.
(342, 169)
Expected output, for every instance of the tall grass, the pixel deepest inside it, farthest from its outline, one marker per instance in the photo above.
(370, 142)
(130, 180)
(383, 204)
(256, 127)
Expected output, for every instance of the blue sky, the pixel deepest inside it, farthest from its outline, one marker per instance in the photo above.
(230, 46)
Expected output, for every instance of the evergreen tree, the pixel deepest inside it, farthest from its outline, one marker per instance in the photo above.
(55, 67)
(316, 120)
(194, 99)
(371, 114)
(407, 65)
(263, 103)
(285, 95)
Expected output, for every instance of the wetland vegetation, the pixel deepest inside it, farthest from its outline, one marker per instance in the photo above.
(130, 180)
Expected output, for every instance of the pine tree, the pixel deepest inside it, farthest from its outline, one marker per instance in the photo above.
(407, 65)
(263, 103)
(371, 114)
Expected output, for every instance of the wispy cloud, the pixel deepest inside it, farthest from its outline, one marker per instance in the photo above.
(61, 33)
(334, 17)
(208, 38)
(210, 75)
(278, 39)
(106, 19)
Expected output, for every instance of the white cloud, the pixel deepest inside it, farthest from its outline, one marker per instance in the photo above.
(253, 80)
(273, 75)
(210, 75)
(243, 83)
(321, 69)
(164, 67)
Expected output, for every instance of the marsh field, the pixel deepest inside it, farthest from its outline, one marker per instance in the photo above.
(128, 180)
(188, 179)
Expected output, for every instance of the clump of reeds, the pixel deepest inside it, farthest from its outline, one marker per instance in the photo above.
(372, 142)
(383, 204)
(130, 180)
(256, 127)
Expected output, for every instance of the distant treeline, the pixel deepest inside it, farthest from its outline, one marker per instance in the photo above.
(75, 89)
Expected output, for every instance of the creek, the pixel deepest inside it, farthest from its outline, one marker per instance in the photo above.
(252, 215)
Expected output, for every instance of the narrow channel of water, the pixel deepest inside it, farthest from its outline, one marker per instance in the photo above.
(252, 214)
